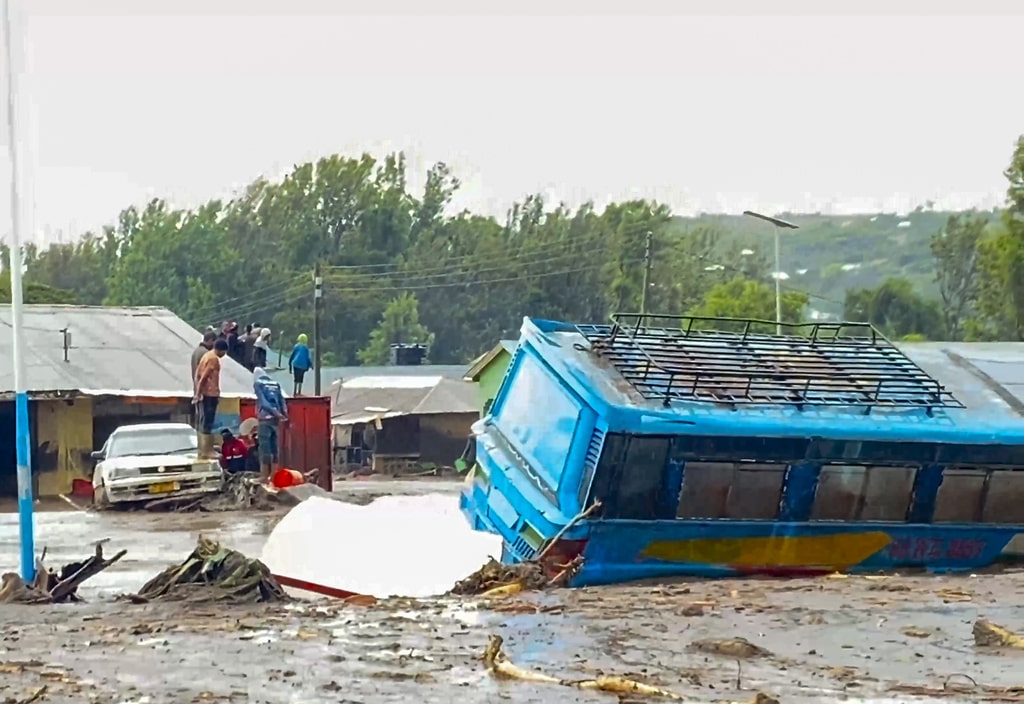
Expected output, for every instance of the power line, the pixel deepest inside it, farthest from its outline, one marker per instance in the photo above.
(219, 305)
(487, 282)
(416, 276)
(456, 265)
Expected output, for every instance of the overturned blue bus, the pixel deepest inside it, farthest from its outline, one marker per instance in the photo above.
(660, 446)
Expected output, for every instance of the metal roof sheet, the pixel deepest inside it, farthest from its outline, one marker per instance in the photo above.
(362, 403)
(142, 351)
(329, 375)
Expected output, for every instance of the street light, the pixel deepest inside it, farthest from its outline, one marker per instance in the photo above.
(779, 224)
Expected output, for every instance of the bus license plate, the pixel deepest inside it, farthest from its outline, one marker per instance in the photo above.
(163, 488)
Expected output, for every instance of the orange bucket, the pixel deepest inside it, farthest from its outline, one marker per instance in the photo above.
(284, 478)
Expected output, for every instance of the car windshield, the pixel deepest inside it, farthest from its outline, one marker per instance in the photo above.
(158, 441)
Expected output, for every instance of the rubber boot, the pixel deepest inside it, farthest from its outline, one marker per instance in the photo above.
(206, 447)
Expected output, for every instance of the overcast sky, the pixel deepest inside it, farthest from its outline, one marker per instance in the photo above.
(125, 100)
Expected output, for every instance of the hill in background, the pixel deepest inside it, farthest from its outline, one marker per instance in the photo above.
(831, 254)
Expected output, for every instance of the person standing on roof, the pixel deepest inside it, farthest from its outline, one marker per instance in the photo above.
(261, 347)
(208, 396)
(300, 362)
(271, 411)
(209, 337)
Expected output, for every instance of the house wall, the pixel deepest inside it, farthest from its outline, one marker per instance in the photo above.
(443, 437)
(64, 440)
(66, 431)
(490, 379)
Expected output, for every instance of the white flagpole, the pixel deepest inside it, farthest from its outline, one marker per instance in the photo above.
(25, 508)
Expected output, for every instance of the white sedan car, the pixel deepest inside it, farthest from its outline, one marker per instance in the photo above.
(152, 461)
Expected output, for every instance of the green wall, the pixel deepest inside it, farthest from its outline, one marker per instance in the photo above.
(490, 379)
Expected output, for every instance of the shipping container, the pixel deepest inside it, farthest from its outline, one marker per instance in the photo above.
(305, 440)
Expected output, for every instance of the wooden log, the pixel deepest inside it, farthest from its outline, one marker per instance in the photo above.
(94, 565)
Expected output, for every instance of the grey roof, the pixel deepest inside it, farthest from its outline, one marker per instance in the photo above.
(329, 375)
(363, 399)
(142, 351)
(987, 377)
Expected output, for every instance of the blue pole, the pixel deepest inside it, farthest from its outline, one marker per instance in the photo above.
(25, 508)
(26, 527)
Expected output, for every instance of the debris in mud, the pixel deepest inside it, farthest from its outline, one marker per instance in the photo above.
(54, 587)
(978, 692)
(953, 595)
(214, 573)
(989, 635)
(239, 492)
(730, 647)
(498, 664)
(495, 579)
(915, 632)
(494, 575)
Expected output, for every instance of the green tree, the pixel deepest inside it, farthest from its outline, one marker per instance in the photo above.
(399, 325)
(895, 309)
(957, 252)
(1001, 265)
(746, 298)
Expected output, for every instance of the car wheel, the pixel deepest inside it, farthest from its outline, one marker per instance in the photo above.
(99, 498)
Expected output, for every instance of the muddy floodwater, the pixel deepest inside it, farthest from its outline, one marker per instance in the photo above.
(900, 638)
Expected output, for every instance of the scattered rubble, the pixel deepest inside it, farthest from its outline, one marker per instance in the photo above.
(989, 635)
(213, 573)
(54, 587)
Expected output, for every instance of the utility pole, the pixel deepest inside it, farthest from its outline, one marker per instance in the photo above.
(318, 297)
(649, 241)
(26, 520)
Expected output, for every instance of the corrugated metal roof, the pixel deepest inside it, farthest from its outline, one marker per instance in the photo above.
(329, 375)
(361, 403)
(143, 351)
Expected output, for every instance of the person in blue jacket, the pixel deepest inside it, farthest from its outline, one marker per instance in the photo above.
(271, 411)
(299, 363)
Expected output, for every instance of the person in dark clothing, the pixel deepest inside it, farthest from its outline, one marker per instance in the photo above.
(260, 347)
(252, 456)
(232, 452)
(249, 340)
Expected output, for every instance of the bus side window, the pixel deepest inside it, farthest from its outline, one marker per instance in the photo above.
(960, 495)
(731, 490)
(1004, 501)
(839, 491)
(851, 492)
(641, 482)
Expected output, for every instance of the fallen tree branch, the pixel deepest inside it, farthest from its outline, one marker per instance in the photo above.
(52, 587)
(498, 664)
(565, 529)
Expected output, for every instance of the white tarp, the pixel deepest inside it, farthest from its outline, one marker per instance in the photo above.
(413, 546)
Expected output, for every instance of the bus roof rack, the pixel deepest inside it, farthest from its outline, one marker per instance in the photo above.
(744, 361)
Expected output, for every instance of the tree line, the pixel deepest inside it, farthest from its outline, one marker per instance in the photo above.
(401, 267)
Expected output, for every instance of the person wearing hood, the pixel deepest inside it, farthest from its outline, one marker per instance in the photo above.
(261, 347)
(271, 411)
(300, 362)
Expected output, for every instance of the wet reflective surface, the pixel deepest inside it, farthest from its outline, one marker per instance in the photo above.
(832, 639)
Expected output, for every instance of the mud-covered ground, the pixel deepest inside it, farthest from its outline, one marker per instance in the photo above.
(853, 639)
